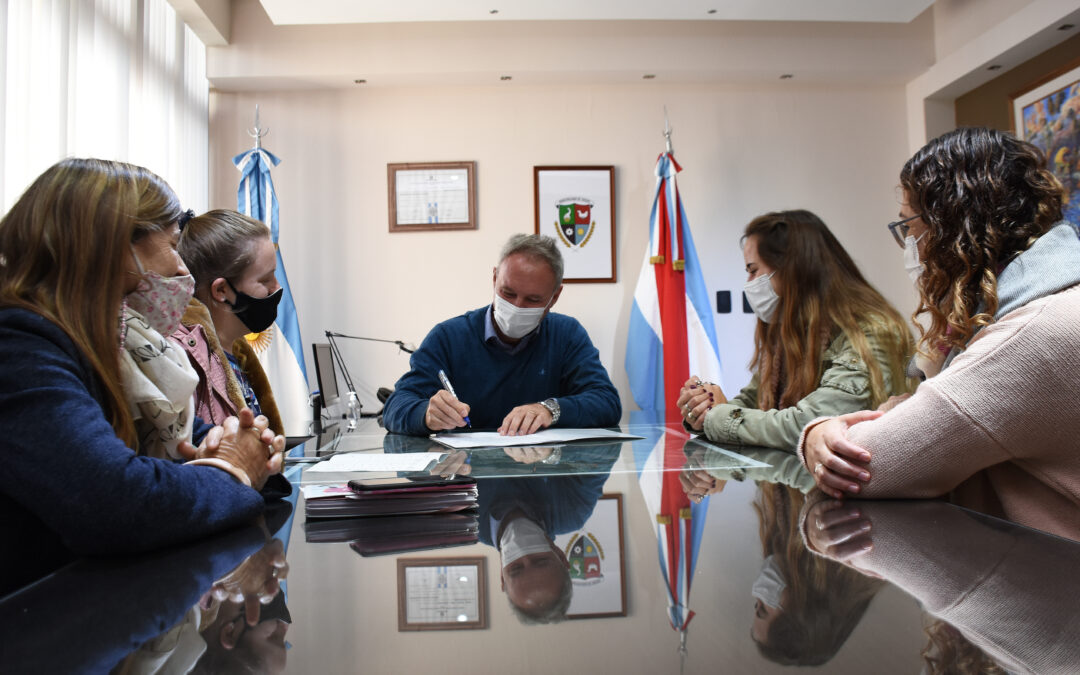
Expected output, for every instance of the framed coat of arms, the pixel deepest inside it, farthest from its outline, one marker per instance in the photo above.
(576, 206)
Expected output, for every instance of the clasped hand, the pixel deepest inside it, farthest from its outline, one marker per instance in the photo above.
(697, 398)
(838, 465)
(242, 446)
(839, 531)
(256, 581)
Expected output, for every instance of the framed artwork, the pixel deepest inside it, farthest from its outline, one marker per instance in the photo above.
(1047, 114)
(442, 593)
(432, 196)
(576, 206)
(597, 562)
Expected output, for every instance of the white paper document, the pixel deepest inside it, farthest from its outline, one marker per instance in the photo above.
(491, 439)
(366, 461)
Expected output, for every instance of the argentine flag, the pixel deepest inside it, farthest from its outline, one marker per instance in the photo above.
(280, 349)
(672, 334)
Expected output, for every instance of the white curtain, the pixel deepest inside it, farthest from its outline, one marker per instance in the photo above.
(115, 79)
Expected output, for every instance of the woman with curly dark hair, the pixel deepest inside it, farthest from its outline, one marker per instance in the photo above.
(997, 424)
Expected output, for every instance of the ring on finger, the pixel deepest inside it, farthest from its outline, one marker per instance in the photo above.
(819, 468)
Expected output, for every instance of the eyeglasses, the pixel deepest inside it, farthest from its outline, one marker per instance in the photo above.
(900, 228)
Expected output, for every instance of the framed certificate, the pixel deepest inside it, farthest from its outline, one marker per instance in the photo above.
(432, 196)
(442, 593)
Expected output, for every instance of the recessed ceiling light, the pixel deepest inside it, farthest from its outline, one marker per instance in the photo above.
(648, 76)
(786, 76)
(711, 11)
(1066, 26)
(996, 66)
(359, 81)
(506, 78)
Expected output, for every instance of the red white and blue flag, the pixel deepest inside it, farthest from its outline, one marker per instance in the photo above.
(672, 334)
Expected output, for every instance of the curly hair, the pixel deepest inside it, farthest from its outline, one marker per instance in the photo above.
(985, 197)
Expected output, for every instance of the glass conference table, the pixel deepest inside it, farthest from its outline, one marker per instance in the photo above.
(662, 583)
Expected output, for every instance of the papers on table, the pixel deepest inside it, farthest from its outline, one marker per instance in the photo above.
(364, 461)
(491, 439)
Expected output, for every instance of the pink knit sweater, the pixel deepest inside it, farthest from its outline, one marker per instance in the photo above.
(999, 428)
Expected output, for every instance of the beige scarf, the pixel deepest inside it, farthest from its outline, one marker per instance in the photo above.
(159, 384)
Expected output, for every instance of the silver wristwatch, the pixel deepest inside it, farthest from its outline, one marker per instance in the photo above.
(553, 407)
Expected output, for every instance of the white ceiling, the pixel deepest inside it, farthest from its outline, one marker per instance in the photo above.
(286, 12)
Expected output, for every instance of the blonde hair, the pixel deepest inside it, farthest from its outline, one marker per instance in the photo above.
(219, 244)
(65, 248)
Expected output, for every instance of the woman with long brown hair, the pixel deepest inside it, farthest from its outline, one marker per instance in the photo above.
(998, 428)
(87, 243)
(826, 341)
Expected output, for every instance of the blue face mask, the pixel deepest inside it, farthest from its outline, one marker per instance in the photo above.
(911, 258)
(769, 586)
(762, 298)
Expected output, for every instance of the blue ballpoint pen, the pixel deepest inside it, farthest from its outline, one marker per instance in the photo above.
(450, 388)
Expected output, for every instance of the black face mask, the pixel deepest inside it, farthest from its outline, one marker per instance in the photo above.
(257, 314)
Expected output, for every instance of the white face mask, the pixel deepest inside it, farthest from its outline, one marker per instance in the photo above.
(161, 300)
(911, 258)
(522, 537)
(762, 298)
(517, 322)
(769, 586)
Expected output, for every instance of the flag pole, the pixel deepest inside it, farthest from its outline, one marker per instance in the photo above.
(667, 131)
(258, 132)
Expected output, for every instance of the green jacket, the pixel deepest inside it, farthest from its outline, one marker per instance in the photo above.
(844, 388)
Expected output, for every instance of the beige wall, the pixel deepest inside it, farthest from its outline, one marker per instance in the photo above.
(957, 22)
(991, 104)
(745, 150)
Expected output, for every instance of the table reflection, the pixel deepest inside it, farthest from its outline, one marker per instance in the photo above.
(215, 606)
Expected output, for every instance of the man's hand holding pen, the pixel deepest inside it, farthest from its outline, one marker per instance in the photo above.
(445, 411)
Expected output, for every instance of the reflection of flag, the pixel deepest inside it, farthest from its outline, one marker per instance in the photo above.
(671, 333)
(280, 348)
(659, 458)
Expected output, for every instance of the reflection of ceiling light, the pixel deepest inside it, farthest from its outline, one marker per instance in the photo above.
(461, 579)
(1066, 26)
(359, 81)
(462, 617)
(994, 67)
(506, 78)
(786, 76)
(648, 76)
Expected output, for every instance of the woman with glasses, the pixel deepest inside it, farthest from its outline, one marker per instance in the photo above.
(998, 274)
(233, 261)
(95, 407)
(826, 341)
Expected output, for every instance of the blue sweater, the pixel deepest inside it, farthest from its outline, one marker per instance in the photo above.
(68, 485)
(558, 362)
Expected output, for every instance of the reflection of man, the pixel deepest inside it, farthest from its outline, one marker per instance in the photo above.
(535, 573)
(514, 365)
(521, 516)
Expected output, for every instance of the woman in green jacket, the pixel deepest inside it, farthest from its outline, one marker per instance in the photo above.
(826, 341)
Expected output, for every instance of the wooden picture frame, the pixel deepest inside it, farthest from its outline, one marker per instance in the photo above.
(597, 555)
(442, 593)
(576, 206)
(431, 196)
(1046, 113)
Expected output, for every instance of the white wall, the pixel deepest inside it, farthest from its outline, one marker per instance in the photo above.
(745, 150)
